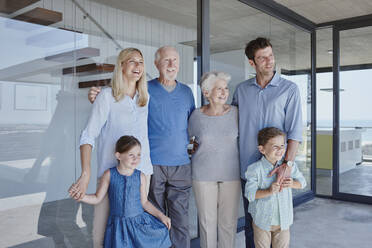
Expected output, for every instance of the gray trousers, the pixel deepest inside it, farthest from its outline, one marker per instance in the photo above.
(169, 192)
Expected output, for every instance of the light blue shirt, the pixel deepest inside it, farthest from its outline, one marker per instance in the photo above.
(169, 113)
(277, 105)
(262, 210)
(109, 121)
(275, 218)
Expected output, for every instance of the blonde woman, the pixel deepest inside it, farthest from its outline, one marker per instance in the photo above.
(118, 110)
(215, 163)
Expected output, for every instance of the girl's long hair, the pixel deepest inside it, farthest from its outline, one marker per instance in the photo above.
(119, 87)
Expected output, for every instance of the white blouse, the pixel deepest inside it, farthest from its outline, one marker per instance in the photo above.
(109, 121)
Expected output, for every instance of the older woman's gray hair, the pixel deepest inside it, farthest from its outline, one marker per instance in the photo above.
(209, 79)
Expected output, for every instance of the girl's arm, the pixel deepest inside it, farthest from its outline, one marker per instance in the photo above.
(148, 207)
(101, 191)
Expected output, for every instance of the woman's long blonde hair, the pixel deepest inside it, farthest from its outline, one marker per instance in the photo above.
(119, 87)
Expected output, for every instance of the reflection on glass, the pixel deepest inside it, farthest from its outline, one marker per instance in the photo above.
(37, 134)
(43, 110)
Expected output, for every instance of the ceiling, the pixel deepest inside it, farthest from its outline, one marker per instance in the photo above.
(178, 12)
(355, 45)
(320, 11)
(233, 24)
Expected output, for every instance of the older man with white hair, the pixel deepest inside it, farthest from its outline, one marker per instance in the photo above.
(171, 104)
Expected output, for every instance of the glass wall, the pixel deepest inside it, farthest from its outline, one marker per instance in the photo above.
(48, 64)
(355, 150)
(355, 128)
(233, 24)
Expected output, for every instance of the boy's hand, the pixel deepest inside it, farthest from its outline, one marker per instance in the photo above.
(166, 221)
(93, 92)
(287, 183)
(274, 188)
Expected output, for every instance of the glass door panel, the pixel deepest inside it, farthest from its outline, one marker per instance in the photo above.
(355, 146)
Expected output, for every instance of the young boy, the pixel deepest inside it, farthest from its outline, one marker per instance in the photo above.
(271, 209)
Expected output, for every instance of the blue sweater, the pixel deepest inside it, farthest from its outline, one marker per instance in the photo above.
(167, 123)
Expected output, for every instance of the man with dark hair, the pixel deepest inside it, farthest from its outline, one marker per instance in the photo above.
(267, 100)
(255, 45)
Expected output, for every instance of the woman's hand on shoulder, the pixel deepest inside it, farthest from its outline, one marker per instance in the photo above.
(192, 146)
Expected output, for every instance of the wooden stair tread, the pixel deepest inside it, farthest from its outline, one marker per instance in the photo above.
(89, 69)
(40, 16)
(10, 6)
(95, 83)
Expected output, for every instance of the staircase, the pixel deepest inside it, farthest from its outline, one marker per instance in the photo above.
(40, 16)
(46, 17)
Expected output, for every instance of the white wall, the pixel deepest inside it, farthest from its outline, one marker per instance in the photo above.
(24, 103)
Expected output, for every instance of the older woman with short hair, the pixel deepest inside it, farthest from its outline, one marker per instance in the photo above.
(215, 163)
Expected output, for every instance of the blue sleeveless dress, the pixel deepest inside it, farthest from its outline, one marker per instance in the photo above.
(128, 224)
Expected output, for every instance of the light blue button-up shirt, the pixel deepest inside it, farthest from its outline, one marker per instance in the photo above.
(262, 210)
(277, 105)
(109, 121)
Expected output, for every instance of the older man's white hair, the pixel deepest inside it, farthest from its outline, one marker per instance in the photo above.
(158, 52)
(209, 79)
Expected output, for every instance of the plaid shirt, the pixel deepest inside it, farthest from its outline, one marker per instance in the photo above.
(262, 209)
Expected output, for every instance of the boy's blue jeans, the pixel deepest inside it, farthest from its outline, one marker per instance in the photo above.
(248, 229)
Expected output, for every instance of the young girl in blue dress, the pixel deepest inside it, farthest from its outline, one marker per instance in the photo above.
(128, 224)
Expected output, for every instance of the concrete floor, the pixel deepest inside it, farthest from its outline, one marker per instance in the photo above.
(355, 181)
(320, 223)
(324, 223)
